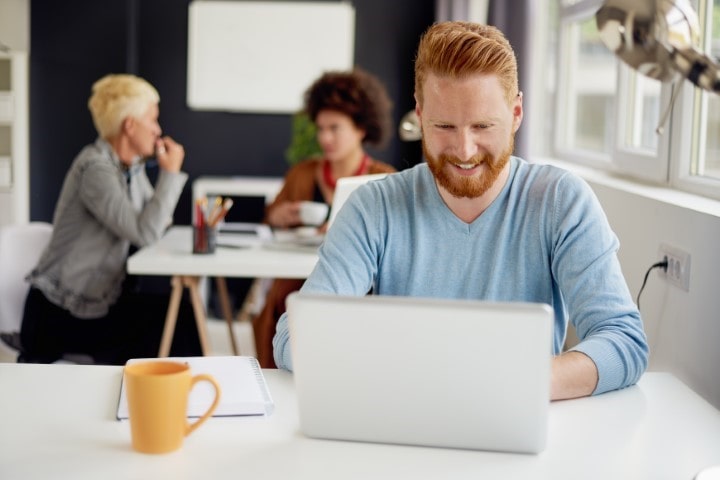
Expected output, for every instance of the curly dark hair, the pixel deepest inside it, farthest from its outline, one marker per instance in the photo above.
(359, 95)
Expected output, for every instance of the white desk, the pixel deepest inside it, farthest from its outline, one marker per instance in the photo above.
(57, 421)
(172, 256)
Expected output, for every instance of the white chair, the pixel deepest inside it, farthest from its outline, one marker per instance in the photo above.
(20, 250)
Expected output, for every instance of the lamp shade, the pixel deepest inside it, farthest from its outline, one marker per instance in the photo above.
(409, 128)
(657, 38)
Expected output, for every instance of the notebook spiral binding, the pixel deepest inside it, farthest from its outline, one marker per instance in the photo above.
(257, 371)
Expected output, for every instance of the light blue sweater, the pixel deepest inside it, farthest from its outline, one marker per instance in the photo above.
(544, 239)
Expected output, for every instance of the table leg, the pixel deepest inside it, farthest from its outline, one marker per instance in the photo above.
(258, 289)
(253, 303)
(171, 317)
(227, 311)
(200, 320)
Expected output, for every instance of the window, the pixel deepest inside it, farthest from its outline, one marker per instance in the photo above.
(606, 115)
(587, 78)
(706, 111)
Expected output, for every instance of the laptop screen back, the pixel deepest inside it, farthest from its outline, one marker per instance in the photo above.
(444, 373)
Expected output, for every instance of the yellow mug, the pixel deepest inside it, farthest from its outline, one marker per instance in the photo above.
(157, 395)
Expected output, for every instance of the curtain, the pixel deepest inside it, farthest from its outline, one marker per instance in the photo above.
(471, 10)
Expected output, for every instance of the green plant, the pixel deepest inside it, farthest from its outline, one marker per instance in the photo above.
(303, 144)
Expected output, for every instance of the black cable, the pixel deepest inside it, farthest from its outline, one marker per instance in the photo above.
(663, 265)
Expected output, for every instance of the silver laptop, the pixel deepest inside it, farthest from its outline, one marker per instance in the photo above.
(307, 238)
(441, 373)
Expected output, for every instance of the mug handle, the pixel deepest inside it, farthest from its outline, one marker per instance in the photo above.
(190, 427)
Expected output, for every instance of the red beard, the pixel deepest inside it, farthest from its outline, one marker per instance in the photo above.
(471, 186)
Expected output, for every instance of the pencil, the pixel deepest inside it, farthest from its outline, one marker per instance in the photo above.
(216, 209)
(199, 214)
(227, 205)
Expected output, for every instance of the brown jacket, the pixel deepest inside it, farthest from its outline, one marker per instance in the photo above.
(299, 185)
(300, 181)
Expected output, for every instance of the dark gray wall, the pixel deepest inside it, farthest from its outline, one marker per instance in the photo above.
(75, 42)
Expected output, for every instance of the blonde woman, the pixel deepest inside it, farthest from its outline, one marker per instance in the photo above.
(80, 301)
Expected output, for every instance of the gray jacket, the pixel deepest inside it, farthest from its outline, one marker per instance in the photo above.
(103, 208)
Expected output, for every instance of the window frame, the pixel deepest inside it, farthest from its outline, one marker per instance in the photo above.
(689, 136)
(565, 109)
(642, 164)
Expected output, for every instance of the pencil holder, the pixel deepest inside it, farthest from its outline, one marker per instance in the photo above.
(204, 239)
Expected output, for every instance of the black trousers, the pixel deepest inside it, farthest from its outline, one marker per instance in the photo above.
(131, 329)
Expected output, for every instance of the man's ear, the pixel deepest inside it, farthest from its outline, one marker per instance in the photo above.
(518, 114)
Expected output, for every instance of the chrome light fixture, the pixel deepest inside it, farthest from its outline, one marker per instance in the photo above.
(658, 38)
(649, 34)
(409, 129)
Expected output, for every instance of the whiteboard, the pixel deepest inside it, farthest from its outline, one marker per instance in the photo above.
(261, 56)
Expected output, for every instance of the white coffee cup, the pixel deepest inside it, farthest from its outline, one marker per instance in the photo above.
(313, 213)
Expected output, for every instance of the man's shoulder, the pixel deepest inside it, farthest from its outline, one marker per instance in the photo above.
(546, 175)
(550, 186)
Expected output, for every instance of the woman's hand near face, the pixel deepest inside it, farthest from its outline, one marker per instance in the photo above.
(170, 154)
(285, 215)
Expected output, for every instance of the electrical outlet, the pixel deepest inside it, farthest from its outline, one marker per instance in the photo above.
(678, 269)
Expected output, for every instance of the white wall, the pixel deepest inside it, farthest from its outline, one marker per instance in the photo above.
(683, 328)
(15, 34)
(15, 24)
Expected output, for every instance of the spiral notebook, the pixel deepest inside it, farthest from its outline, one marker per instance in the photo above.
(243, 387)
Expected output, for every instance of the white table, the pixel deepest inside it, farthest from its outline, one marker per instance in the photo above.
(57, 421)
(172, 256)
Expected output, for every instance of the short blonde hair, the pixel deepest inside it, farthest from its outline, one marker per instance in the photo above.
(461, 49)
(116, 97)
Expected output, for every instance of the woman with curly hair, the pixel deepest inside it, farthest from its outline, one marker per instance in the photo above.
(349, 110)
